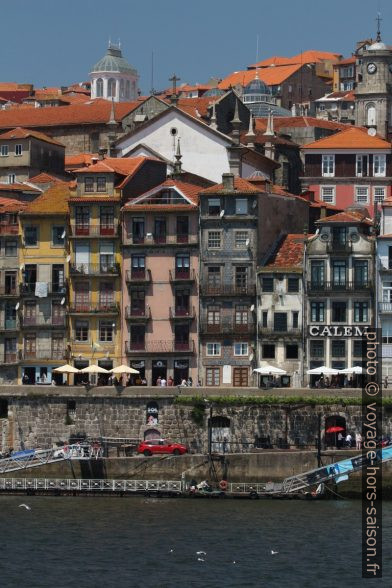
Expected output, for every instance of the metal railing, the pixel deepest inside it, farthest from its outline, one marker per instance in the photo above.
(10, 324)
(84, 485)
(43, 354)
(227, 326)
(385, 307)
(279, 332)
(339, 286)
(179, 275)
(95, 269)
(42, 321)
(138, 275)
(98, 308)
(7, 291)
(11, 357)
(228, 290)
(154, 239)
(160, 347)
(91, 230)
(182, 313)
(52, 288)
(138, 314)
(7, 229)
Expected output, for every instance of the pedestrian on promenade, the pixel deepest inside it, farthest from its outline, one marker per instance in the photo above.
(159, 380)
(348, 440)
(386, 382)
(358, 440)
(163, 382)
(340, 441)
(170, 381)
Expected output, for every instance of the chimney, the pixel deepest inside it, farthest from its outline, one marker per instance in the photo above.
(94, 160)
(102, 152)
(323, 212)
(228, 182)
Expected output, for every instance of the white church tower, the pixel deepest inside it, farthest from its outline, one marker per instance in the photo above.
(113, 78)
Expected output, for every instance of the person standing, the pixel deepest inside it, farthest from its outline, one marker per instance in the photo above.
(358, 440)
(163, 381)
(340, 441)
(348, 440)
(159, 380)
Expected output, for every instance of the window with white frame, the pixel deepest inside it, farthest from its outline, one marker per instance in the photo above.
(18, 149)
(241, 238)
(11, 178)
(212, 376)
(213, 349)
(361, 167)
(379, 193)
(214, 239)
(379, 165)
(4, 151)
(387, 291)
(328, 194)
(241, 349)
(321, 107)
(362, 194)
(328, 165)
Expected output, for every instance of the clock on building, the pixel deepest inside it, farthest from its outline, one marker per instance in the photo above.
(372, 68)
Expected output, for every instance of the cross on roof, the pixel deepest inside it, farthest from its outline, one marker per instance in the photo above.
(378, 20)
(174, 79)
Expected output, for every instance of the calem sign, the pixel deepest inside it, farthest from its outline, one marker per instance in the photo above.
(336, 331)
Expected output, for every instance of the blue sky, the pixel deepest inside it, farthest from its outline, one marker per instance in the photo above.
(55, 42)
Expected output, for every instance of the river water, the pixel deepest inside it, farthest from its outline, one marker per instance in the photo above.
(148, 542)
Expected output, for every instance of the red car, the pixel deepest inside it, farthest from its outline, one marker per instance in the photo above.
(152, 446)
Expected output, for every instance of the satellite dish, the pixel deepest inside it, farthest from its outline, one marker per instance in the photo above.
(254, 204)
(222, 213)
(17, 306)
(251, 357)
(63, 235)
(252, 308)
(372, 132)
(247, 242)
(21, 267)
(62, 301)
(68, 258)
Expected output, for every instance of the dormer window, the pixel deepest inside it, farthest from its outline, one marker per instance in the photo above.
(214, 206)
(89, 184)
(328, 165)
(101, 184)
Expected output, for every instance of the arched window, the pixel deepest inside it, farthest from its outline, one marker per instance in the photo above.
(99, 86)
(121, 88)
(111, 88)
(151, 434)
(371, 115)
(127, 88)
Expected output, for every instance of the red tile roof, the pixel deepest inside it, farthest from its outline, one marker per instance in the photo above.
(11, 205)
(45, 178)
(20, 133)
(350, 138)
(298, 121)
(240, 185)
(272, 76)
(191, 191)
(81, 159)
(124, 166)
(90, 112)
(54, 201)
(352, 217)
(16, 187)
(289, 253)
(310, 56)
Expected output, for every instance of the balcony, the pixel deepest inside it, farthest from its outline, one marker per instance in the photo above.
(159, 240)
(9, 291)
(10, 324)
(31, 289)
(43, 353)
(227, 327)
(95, 269)
(138, 314)
(340, 248)
(228, 290)
(104, 309)
(182, 276)
(385, 307)
(160, 347)
(182, 314)
(7, 229)
(338, 287)
(90, 230)
(138, 276)
(42, 321)
(274, 333)
(10, 358)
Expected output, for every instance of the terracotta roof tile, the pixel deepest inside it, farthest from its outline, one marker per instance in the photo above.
(124, 166)
(16, 187)
(45, 178)
(310, 56)
(272, 76)
(347, 217)
(109, 199)
(346, 61)
(81, 159)
(53, 201)
(289, 253)
(11, 205)
(189, 190)
(20, 133)
(282, 122)
(350, 138)
(240, 185)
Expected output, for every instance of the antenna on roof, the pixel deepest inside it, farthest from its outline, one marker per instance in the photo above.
(378, 20)
(152, 74)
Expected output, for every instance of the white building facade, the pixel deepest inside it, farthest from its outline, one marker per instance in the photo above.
(113, 78)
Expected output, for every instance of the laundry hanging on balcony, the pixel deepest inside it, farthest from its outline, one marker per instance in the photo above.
(41, 289)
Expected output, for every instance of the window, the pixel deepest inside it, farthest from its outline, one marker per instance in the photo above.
(361, 167)
(268, 351)
(18, 150)
(339, 270)
(362, 194)
(265, 319)
(241, 314)
(106, 256)
(317, 312)
(293, 284)
(328, 194)
(339, 236)
(321, 107)
(267, 284)
(295, 319)
(106, 295)
(160, 230)
(361, 312)
(31, 236)
(241, 277)
(214, 277)
(338, 348)
(81, 331)
(214, 239)
(213, 316)
(292, 351)
(214, 207)
(387, 292)
(317, 273)
(58, 283)
(182, 265)
(106, 331)
(360, 273)
(213, 349)
(316, 348)
(241, 206)
(370, 115)
(58, 236)
(101, 184)
(4, 151)
(11, 178)
(106, 220)
(111, 88)
(379, 165)
(99, 92)
(138, 230)
(11, 248)
(138, 302)
(241, 239)
(359, 349)
(241, 349)
(379, 194)
(328, 165)
(280, 321)
(88, 184)
(339, 312)
(182, 223)
(212, 376)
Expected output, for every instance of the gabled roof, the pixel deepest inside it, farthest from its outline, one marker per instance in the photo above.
(346, 61)
(272, 76)
(123, 166)
(11, 205)
(350, 138)
(299, 121)
(288, 255)
(20, 133)
(240, 185)
(349, 217)
(91, 112)
(310, 56)
(189, 192)
(54, 201)
(81, 159)
(45, 178)
(16, 187)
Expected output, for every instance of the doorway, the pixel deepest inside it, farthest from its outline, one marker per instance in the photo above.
(220, 434)
(181, 371)
(30, 373)
(80, 379)
(159, 370)
(240, 376)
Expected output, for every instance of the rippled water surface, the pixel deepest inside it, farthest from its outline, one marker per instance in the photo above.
(145, 542)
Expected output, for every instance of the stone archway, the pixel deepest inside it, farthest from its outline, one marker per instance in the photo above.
(151, 434)
(220, 434)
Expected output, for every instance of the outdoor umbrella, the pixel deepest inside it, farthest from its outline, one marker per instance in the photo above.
(66, 369)
(323, 370)
(269, 369)
(357, 369)
(124, 369)
(335, 429)
(94, 369)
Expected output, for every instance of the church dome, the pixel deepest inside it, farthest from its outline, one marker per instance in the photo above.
(113, 61)
(256, 88)
(378, 46)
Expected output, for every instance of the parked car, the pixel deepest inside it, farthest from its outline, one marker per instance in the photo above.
(152, 446)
